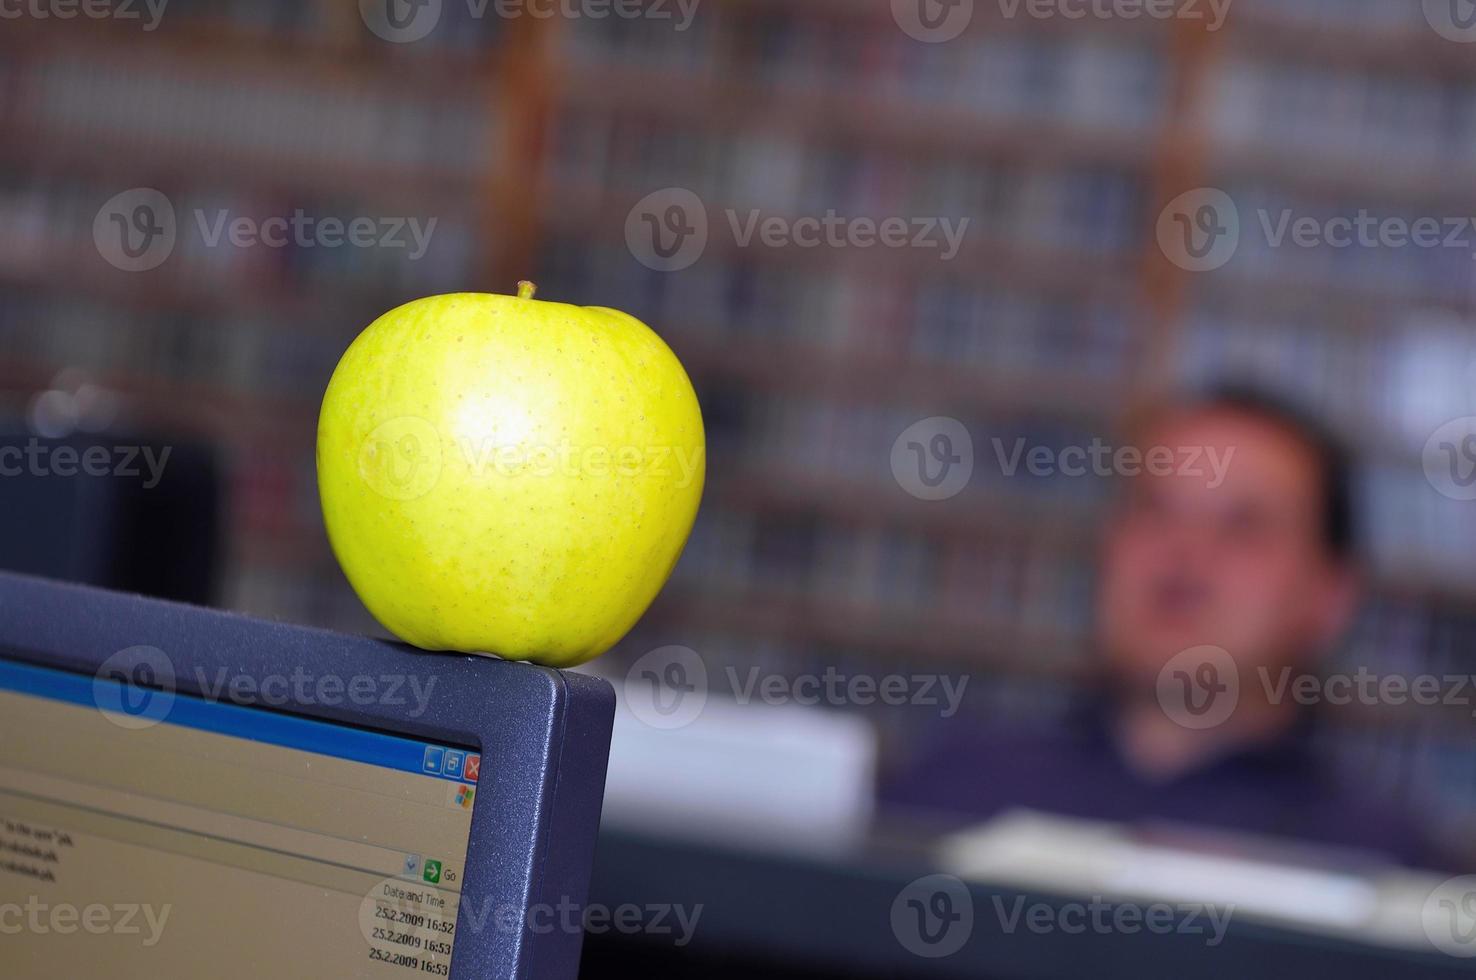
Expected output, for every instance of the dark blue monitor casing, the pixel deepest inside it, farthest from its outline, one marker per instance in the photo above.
(544, 735)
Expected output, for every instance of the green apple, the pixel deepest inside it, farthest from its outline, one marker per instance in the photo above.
(507, 476)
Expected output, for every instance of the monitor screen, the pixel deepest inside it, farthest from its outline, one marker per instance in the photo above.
(171, 836)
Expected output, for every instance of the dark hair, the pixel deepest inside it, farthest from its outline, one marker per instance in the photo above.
(1331, 456)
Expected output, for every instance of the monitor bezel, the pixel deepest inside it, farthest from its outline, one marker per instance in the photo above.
(544, 736)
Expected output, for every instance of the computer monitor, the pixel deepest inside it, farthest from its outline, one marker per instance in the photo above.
(188, 793)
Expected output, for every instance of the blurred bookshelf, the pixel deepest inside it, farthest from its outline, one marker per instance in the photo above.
(1062, 143)
(529, 141)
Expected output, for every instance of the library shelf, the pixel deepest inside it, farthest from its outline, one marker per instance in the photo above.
(1412, 49)
(896, 122)
(758, 485)
(1424, 581)
(1332, 176)
(598, 214)
(87, 154)
(185, 293)
(986, 18)
(277, 549)
(1362, 309)
(838, 85)
(340, 51)
(856, 376)
(93, 160)
(237, 418)
(981, 642)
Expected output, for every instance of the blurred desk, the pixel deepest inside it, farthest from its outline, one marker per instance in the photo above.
(788, 915)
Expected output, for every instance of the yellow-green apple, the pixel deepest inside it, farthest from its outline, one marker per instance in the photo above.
(509, 476)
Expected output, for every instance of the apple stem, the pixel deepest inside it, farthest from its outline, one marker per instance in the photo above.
(526, 289)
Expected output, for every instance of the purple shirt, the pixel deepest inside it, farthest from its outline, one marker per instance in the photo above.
(1278, 789)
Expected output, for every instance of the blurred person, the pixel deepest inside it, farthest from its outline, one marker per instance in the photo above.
(1258, 560)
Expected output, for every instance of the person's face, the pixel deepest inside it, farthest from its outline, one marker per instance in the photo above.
(1239, 563)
